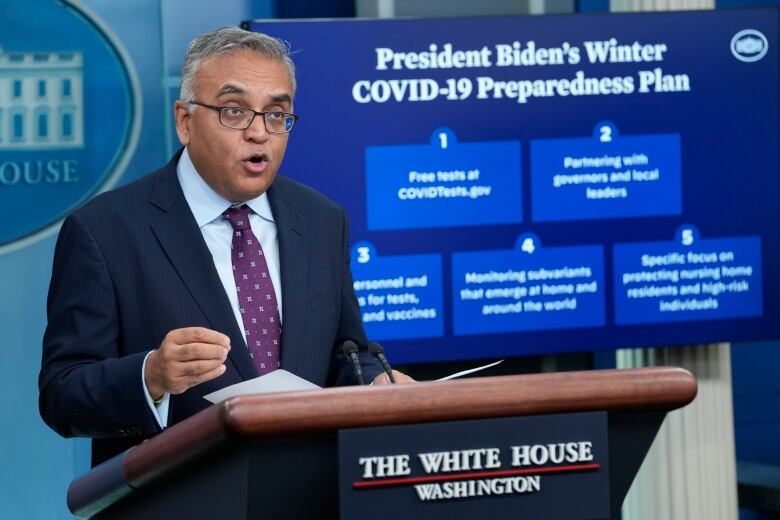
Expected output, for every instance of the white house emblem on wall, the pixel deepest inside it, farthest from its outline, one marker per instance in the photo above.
(70, 115)
(41, 100)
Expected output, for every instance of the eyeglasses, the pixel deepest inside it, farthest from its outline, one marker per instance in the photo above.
(240, 118)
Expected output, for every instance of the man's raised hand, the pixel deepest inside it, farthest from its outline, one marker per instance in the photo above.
(186, 357)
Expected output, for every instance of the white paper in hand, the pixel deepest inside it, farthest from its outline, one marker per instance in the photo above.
(276, 381)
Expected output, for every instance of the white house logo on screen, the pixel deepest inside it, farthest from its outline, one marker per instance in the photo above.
(69, 115)
(749, 45)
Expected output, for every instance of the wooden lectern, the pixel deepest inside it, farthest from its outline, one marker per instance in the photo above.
(275, 455)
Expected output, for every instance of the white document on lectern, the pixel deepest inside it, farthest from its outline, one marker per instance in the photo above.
(283, 381)
(276, 381)
(470, 371)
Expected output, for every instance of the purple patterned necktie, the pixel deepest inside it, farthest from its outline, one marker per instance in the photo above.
(256, 296)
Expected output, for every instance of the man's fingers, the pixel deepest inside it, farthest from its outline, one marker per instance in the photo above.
(401, 378)
(186, 357)
(198, 335)
(197, 368)
(200, 351)
(207, 376)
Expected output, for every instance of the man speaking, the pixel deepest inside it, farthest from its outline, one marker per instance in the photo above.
(208, 272)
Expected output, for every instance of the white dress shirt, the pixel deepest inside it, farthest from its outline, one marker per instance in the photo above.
(207, 206)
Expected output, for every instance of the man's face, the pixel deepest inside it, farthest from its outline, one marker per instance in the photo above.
(238, 164)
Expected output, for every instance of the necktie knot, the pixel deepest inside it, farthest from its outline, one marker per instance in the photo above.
(238, 217)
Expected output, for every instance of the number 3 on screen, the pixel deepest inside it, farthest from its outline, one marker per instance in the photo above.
(364, 255)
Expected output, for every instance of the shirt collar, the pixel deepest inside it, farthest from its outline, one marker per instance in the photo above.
(205, 203)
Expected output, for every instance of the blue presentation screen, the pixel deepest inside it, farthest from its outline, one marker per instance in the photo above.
(548, 184)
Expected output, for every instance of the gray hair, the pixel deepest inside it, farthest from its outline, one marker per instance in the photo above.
(225, 41)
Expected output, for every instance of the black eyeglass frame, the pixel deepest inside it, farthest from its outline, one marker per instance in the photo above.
(255, 113)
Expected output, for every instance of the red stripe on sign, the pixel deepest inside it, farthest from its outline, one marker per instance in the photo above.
(478, 474)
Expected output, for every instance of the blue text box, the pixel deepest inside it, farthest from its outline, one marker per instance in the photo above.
(688, 279)
(528, 288)
(605, 176)
(444, 183)
(399, 296)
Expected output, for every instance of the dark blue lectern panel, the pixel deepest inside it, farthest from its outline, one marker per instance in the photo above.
(549, 466)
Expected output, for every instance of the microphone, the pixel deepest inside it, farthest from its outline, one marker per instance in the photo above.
(351, 351)
(378, 352)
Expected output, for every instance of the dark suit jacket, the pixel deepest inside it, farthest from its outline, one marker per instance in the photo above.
(132, 265)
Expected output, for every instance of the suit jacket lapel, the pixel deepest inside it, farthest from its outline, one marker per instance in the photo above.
(180, 237)
(293, 255)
